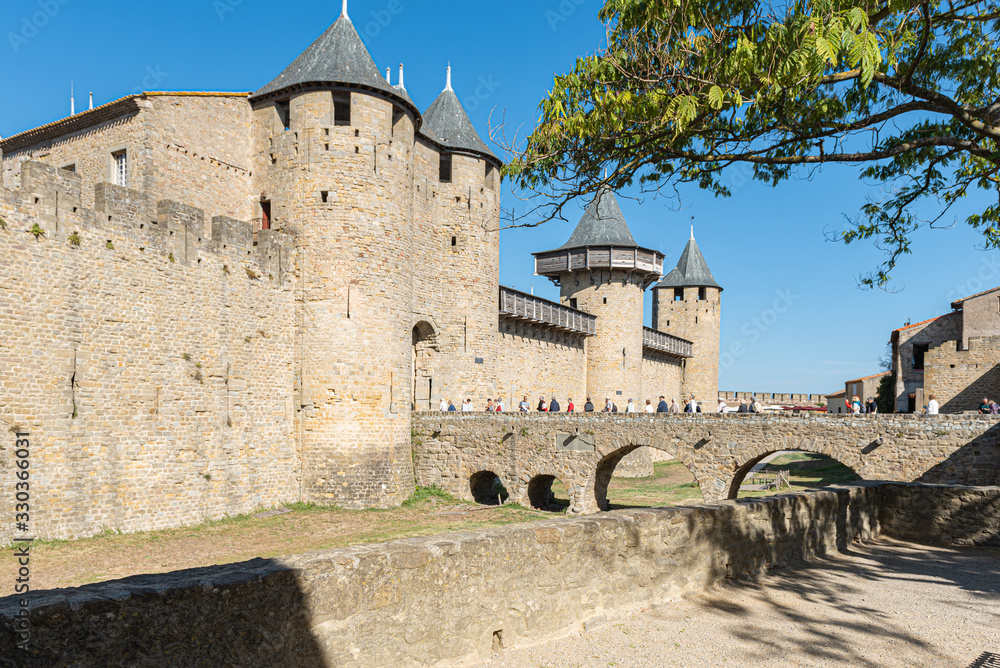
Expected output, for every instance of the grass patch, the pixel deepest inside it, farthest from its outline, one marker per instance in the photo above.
(807, 470)
(425, 494)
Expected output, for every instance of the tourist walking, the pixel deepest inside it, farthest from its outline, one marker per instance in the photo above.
(451, 407)
(467, 406)
(650, 408)
(662, 407)
(589, 406)
(856, 405)
(542, 406)
(489, 406)
(871, 407)
(722, 407)
(443, 406)
(932, 406)
(499, 406)
(554, 406)
(569, 406)
(744, 408)
(607, 405)
(630, 407)
(524, 406)
(674, 406)
(756, 406)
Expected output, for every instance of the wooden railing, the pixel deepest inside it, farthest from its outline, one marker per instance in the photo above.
(522, 306)
(665, 343)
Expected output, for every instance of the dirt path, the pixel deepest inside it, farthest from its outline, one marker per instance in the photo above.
(890, 604)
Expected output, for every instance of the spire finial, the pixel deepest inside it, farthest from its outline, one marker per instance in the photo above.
(692, 228)
(343, 12)
(388, 75)
(447, 85)
(401, 84)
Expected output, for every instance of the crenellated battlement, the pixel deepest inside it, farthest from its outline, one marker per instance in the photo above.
(127, 220)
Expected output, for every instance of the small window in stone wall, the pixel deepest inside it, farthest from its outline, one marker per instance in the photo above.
(702, 294)
(491, 176)
(284, 109)
(324, 195)
(678, 294)
(341, 108)
(444, 169)
(120, 168)
(572, 302)
(70, 168)
(919, 350)
(454, 241)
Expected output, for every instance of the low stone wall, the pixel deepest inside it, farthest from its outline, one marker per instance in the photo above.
(941, 514)
(455, 598)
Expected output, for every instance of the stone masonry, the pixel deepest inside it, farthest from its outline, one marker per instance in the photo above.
(455, 598)
(583, 451)
(212, 303)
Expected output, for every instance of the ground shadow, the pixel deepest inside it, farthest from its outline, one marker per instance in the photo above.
(253, 613)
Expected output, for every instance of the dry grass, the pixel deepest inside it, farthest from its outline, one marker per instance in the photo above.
(308, 528)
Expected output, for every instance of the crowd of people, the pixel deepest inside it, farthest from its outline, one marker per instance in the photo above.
(552, 405)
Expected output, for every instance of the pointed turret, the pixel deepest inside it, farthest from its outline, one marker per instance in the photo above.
(602, 239)
(446, 123)
(338, 56)
(691, 271)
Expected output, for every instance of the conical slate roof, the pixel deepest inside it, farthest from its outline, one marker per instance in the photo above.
(338, 56)
(603, 224)
(691, 270)
(446, 122)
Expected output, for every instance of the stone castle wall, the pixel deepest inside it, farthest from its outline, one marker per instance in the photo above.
(961, 378)
(187, 147)
(151, 362)
(537, 360)
(662, 375)
(457, 598)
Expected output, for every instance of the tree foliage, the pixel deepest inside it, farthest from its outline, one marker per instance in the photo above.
(684, 89)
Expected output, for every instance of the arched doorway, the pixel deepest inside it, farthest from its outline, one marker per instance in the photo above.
(671, 483)
(546, 492)
(487, 488)
(425, 347)
(788, 470)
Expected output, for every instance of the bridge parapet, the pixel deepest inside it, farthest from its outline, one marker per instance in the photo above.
(583, 449)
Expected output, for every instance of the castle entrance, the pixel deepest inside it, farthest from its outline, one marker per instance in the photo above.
(424, 351)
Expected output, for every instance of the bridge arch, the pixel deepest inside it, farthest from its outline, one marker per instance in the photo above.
(597, 489)
(487, 488)
(540, 494)
(849, 459)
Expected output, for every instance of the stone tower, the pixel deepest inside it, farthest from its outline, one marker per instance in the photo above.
(688, 303)
(333, 149)
(456, 256)
(601, 270)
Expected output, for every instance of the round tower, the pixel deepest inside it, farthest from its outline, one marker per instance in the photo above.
(601, 270)
(456, 254)
(333, 153)
(687, 303)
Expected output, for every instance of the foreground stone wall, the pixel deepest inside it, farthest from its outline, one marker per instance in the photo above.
(151, 365)
(459, 597)
(584, 450)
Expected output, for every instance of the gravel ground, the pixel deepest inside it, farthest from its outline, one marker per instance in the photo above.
(884, 604)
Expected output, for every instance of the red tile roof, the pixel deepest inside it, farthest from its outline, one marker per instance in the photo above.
(874, 375)
(955, 304)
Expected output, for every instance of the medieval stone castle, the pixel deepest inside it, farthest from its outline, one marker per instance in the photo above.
(215, 302)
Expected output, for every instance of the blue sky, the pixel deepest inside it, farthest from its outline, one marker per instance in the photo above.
(766, 246)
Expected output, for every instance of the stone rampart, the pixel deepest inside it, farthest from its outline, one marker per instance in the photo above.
(148, 352)
(583, 450)
(455, 598)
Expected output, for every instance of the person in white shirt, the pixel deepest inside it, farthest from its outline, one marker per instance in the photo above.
(932, 406)
(443, 406)
(524, 406)
(500, 407)
(650, 408)
(723, 407)
(467, 406)
(630, 408)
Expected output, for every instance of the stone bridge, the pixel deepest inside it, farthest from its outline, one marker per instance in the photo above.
(465, 453)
